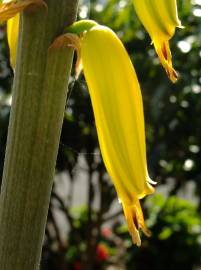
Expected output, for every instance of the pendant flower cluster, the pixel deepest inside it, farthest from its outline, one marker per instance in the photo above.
(115, 94)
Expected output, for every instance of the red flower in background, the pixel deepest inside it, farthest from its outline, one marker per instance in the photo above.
(102, 253)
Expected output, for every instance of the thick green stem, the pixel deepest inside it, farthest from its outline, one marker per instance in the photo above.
(39, 95)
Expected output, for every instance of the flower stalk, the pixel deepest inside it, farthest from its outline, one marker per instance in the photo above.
(39, 95)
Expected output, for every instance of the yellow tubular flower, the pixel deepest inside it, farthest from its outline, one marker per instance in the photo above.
(160, 19)
(118, 109)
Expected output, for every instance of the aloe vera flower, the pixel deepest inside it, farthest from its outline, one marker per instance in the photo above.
(160, 18)
(118, 109)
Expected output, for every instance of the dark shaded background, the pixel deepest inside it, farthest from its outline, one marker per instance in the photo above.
(95, 233)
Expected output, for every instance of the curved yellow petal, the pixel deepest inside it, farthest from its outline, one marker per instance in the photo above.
(12, 35)
(160, 18)
(135, 220)
(118, 109)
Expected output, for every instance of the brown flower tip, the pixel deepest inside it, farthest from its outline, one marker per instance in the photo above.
(10, 9)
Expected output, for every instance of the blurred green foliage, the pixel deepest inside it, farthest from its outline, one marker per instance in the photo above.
(175, 242)
(176, 237)
(173, 131)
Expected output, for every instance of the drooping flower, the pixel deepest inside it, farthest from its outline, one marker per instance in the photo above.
(118, 109)
(160, 18)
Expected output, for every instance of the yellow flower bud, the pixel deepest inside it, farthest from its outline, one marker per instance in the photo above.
(160, 19)
(118, 109)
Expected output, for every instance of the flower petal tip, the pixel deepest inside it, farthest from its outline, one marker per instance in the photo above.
(150, 181)
(179, 25)
(172, 74)
(135, 220)
(164, 54)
